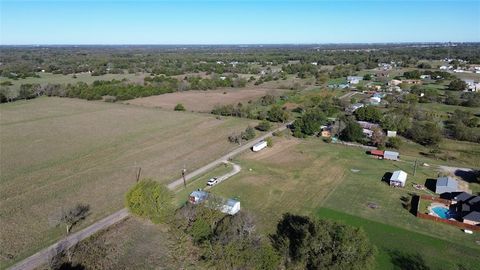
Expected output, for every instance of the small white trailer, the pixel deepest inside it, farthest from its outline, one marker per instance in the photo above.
(259, 146)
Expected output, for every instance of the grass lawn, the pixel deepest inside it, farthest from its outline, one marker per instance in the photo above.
(459, 153)
(398, 248)
(301, 176)
(278, 180)
(444, 108)
(56, 152)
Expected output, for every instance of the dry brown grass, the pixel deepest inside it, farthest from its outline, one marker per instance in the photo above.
(203, 101)
(58, 152)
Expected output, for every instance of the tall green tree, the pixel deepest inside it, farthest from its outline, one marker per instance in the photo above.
(352, 132)
(151, 200)
(309, 243)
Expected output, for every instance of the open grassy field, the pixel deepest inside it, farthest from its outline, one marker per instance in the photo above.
(46, 78)
(302, 176)
(399, 248)
(280, 179)
(58, 152)
(204, 101)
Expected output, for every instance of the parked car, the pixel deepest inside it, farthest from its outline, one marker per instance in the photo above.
(212, 181)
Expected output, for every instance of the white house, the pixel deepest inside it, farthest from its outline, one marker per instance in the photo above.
(398, 179)
(230, 207)
(367, 132)
(391, 134)
(259, 146)
(472, 86)
(354, 79)
(394, 82)
(375, 100)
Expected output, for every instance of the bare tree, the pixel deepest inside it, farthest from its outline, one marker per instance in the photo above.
(74, 215)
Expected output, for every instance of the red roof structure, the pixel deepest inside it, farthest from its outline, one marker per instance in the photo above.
(377, 153)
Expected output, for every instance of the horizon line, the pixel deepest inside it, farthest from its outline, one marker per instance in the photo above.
(239, 44)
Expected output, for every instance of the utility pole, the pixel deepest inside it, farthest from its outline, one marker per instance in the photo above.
(184, 171)
(138, 173)
(415, 167)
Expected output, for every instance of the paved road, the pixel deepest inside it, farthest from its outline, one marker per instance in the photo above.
(44, 255)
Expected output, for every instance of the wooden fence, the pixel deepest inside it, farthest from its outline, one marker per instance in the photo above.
(450, 222)
(442, 220)
(435, 199)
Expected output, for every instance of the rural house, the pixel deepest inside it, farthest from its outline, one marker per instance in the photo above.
(354, 79)
(446, 184)
(398, 179)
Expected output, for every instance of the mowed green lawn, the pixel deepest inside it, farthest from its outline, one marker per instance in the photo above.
(399, 248)
(58, 152)
(303, 176)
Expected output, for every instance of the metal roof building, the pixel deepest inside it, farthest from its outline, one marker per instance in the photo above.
(398, 179)
(446, 184)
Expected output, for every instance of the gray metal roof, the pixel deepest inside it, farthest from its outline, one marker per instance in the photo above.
(464, 196)
(447, 181)
(474, 216)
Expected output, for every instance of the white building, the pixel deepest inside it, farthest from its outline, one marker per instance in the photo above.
(391, 134)
(230, 207)
(375, 100)
(354, 79)
(398, 179)
(259, 146)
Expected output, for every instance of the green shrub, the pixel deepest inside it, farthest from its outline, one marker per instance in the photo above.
(179, 107)
(151, 200)
(394, 142)
(264, 126)
(269, 141)
(248, 134)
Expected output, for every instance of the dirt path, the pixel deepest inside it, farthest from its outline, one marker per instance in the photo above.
(42, 257)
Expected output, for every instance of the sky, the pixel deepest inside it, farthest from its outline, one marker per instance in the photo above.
(237, 22)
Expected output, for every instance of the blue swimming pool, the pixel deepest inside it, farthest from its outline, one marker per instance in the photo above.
(442, 212)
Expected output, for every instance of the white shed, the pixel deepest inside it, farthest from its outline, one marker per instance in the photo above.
(391, 155)
(230, 207)
(398, 179)
(259, 146)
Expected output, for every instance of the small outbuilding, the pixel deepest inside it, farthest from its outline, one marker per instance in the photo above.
(259, 146)
(198, 196)
(377, 153)
(230, 207)
(398, 179)
(446, 184)
(391, 155)
(391, 133)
